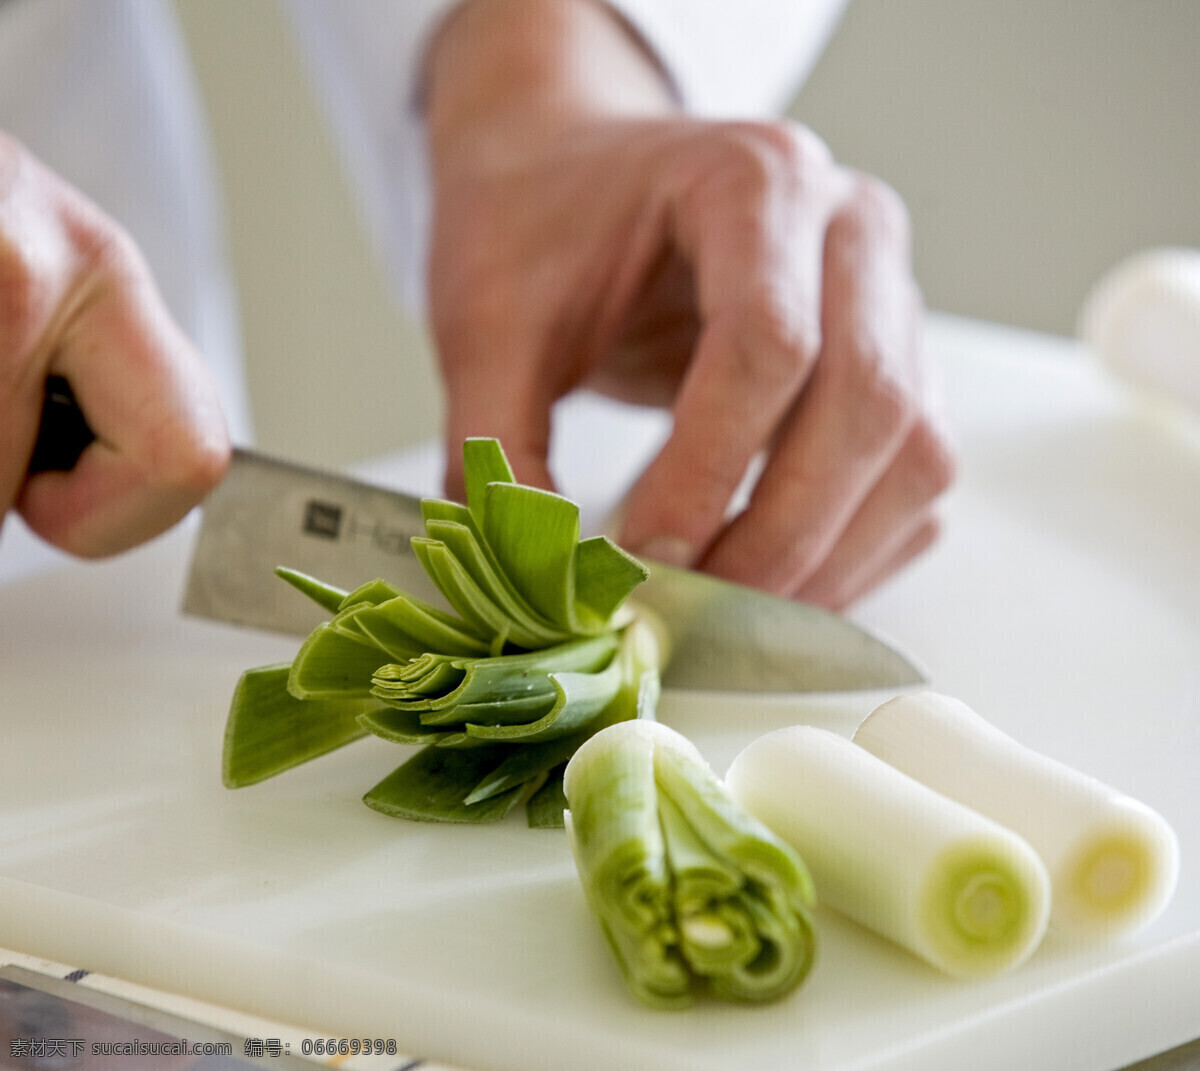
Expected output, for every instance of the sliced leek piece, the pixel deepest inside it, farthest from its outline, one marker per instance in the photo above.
(483, 463)
(399, 726)
(466, 545)
(605, 576)
(545, 808)
(433, 784)
(580, 699)
(712, 938)
(269, 730)
(441, 509)
(690, 889)
(425, 677)
(436, 683)
(518, 711)
(469, 600)
(955, 888)
(410, 627)
(331, 665)
(325, 595)
(373, 592)
(617, 841)
(641, 660)
(345, 623)
(1113, 861)
(521, 765)
(534, 535)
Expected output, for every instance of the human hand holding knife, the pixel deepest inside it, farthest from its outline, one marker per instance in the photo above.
(81, 320)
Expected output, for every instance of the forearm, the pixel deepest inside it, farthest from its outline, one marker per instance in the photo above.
(499, 66)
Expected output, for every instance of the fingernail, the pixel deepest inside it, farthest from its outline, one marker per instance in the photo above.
(670, 550)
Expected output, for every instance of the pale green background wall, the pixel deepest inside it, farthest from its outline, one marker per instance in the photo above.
(336, 371)
(1036, 142)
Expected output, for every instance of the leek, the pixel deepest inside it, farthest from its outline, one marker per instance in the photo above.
(691, 892)
(533, 652)
(959, 890)
(269, 730)
(1113, 862)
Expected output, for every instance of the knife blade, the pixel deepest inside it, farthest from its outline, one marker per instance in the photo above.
(724, 637)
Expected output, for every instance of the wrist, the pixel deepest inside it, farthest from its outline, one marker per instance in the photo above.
(502, 71)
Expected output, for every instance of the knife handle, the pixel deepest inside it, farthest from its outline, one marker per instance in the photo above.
(63, 434)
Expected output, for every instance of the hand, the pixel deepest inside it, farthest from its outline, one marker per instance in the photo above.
(586, 233)
(77, 300)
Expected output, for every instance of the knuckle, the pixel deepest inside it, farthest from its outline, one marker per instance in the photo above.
(475, 306)
(929, 533)
(187, 450)
(875, 207)
(29, 283)
(934, 458)
(892, 400)
(925, 535)
(108, 254)
(195, 466)
(713, 473)
(695, 505)
(759, 155)
(206, 465)
(802, 151)
(885, 400)
(26, 300)
(776, 344)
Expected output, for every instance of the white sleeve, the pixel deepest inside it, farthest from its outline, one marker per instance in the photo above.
(103, 94)
(734, 58)
(366, 56)
(724, 59)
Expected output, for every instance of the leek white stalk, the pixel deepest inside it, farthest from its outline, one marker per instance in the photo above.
(1113, 861)
(953, 887)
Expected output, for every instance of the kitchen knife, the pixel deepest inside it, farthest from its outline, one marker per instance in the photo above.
(268, 512)
(724, 637)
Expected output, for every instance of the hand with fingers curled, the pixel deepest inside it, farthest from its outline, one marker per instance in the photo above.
(587, 233)
(77, 302)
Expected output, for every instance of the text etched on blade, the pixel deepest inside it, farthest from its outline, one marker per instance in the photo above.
(328, 520)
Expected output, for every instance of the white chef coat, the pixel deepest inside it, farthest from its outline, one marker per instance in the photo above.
(102, 92)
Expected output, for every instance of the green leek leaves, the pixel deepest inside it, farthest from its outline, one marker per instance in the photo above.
(529, 658)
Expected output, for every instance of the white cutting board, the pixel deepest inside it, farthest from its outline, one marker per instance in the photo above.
(1064, 603)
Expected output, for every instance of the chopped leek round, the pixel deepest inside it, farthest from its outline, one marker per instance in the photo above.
(957, 889)
(690, 890)
(1112, 860)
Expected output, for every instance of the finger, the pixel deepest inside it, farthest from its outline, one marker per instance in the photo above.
(753, 232)
(161, 442)
(650, 359)
(854, 415)
(494, 390)
(919, 539)
(881, 535)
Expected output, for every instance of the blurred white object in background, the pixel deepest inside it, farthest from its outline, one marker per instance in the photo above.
(1142, 320)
